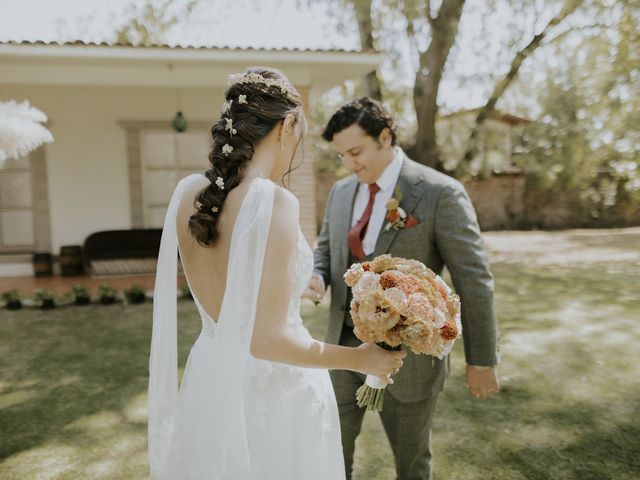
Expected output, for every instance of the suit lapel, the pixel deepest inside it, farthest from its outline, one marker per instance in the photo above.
(407, 182)
(346, 196)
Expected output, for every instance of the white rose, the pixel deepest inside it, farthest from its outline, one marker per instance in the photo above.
(369, 282)
(396, 297)
(443, 284)
(439, 319)
(352, 275)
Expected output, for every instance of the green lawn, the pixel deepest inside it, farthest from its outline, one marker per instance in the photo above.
(73, 381)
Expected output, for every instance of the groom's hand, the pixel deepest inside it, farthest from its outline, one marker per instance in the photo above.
(315, 289)
(482, 382)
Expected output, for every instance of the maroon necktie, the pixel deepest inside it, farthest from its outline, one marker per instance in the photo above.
(357, 232)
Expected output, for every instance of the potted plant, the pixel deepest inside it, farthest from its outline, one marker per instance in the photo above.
(107, 294)
(44, 298)
(81, 294)
(13, 299)
(136, 294)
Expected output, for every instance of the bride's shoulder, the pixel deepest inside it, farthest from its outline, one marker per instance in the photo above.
(283, 198)
(286, 209)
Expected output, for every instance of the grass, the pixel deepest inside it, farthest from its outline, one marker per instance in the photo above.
(73, 380)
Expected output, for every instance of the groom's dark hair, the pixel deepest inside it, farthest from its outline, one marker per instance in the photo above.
(368, 113)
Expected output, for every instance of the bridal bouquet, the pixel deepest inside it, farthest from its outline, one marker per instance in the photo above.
(400, 302)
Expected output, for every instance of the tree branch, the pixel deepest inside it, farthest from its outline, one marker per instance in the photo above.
(501, 86)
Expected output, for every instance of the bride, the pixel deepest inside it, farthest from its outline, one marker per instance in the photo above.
(255, 400)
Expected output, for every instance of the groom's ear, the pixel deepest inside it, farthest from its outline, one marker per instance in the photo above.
(385, 138)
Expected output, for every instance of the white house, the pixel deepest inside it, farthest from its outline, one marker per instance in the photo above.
(116, 158)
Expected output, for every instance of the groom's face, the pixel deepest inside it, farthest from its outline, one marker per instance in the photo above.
(362, 154)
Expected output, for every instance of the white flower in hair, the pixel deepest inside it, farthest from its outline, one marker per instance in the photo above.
(220, 183)
(242, 99)
(229, 126)
(226, 106)
(214, 209)
(227, 149)
(255, 77)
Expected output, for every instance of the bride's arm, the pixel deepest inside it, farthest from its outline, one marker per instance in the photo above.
(276, 340)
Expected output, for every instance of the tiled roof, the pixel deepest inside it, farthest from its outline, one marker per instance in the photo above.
(82, 43)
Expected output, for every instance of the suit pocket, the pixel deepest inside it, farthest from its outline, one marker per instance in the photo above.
(412, 234)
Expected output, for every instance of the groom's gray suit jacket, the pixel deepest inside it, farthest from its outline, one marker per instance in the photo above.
(447, 235)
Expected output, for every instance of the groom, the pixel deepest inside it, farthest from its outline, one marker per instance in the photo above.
(444, 233)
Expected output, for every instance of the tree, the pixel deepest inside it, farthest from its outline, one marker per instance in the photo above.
(501, 86)
(432, 31)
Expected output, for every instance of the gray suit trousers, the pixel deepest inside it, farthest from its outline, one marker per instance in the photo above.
(407, 424)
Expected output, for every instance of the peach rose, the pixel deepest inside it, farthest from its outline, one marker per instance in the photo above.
(418, 336)
(377, 313)
(382, 263)
(394, 336)
(409, 285)
(395, 297)
(363, 334)
(418, 306)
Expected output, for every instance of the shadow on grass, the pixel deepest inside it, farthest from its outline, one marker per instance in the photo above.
(74, 363)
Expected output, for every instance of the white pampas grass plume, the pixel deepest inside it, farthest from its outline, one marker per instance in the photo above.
(20, 130)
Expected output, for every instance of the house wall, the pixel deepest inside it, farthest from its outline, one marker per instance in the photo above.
(87, 165)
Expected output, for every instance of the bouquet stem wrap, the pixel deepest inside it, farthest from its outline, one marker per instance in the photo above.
(371, 394)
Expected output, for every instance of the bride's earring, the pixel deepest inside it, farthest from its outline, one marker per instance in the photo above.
(282, 147)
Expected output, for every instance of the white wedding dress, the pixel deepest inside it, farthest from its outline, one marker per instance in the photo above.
(236, 417)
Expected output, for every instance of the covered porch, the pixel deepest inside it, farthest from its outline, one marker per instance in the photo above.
(116, 157)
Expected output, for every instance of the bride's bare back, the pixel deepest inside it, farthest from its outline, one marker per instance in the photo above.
(206, 267)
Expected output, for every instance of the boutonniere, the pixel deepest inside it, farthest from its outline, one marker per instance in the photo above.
(396, 217)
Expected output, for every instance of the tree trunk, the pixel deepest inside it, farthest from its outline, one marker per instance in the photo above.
(363, 16)
(444, 29)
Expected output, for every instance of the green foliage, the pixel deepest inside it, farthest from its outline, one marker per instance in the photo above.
(81, 294)
(587, 138)
(44, 298)
(107, 294)
(13, 297)
(136, 294)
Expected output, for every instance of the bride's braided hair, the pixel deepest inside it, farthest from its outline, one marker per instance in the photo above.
(250, 112)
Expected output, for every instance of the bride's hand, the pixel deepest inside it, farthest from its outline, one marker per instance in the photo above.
(380, 362)
(315, 289)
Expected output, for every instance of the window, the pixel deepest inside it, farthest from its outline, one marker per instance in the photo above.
(16, 207)
(166, 157)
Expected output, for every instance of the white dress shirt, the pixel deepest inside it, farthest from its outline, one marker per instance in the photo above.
(387, 182)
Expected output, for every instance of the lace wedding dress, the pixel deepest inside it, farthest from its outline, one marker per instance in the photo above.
(235, 417)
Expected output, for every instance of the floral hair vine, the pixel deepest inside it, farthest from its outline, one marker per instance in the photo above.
(229, 126)
(214, 209)
(254, 77)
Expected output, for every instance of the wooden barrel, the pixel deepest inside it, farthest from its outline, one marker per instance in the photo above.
(42, 265)
(71, 262)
